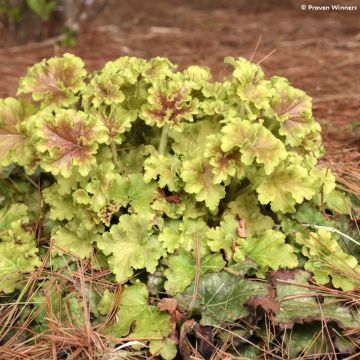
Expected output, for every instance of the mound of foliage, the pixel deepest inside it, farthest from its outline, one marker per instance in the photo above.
(192, 197)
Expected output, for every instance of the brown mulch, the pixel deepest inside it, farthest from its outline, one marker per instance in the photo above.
(318, 52)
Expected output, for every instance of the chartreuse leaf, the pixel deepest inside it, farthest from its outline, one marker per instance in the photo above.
(199, 180)
(118, 122)
(170, 236)
(54, 82)
(15, 144)
(236, 134)
(182, 269)
(61, 205)
(190, 237)
(99, 185)
(328, 262)
(76, 240)
(191, 140)
(224, 165)
(131, 245)
(197, 76)
(18, 251)
(104, 89)
(225, 236)
(68, 138)
(169, 102)
(246, 207)
(299, 303)
(138, 319)
(221, 296)
(184, 234)
(173, 210)
(285, 187)
(265, 148)
(251, 88)
(165, 168)
(268, 250)
(134, 191)
(292, 108)
(255, 142)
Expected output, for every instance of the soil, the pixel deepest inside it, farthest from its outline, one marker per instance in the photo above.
(317, 51)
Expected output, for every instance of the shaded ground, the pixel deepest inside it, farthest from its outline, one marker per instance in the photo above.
(318, 52)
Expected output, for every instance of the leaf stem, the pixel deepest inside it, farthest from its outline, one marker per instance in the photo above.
(115, 155)
(197, 270)
(163, 139)
(232, 189)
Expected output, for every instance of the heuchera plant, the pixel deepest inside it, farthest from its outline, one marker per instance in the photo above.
(161, 171)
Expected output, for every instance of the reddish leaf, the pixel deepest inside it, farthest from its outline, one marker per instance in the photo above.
(69, 138)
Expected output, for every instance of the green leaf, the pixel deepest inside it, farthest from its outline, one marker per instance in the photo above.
(137, 319)
(18, 251)
(182, 268)
(294, 294)
(269, 251)
(222, 297)
(43, 8)
(306, 340)
(131, 245)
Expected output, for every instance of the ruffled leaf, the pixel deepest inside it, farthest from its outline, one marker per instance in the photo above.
(169, 102)
(18, 251)
(131, 245)
(67, 139)
(199, 180)
(182, 268)
(328, 261)
(253, 91)
(55, 82)
(224, 165)
(164, 168)
(269, 251)
(285, 187)
(255, 143)
(292, 108)
(14, 135)
(138, 319)
(225, 236)
(246, 207)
